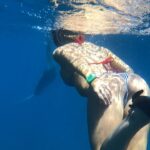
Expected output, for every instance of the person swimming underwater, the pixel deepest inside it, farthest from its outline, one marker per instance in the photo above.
(108, 85)
(96, 72)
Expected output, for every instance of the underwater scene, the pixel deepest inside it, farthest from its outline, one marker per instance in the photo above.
(75, 74)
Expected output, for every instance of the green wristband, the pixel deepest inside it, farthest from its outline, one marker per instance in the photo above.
(90, 77)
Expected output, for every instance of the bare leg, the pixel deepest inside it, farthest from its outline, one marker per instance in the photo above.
(131, 124)
(136, 83)
(103, 120)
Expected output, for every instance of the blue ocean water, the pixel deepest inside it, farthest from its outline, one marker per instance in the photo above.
(56, 119)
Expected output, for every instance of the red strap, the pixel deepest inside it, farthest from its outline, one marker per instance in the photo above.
(79, 39)
(106, 61)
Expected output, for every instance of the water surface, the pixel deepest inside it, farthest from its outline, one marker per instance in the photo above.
(55, 119)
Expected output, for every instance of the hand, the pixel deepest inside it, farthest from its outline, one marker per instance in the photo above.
(101, 91)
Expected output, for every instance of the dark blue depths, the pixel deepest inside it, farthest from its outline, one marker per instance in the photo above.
(56, 118)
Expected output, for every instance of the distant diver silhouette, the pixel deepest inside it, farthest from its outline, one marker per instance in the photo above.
(138, 117)
(45, 80)
(48, 75)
